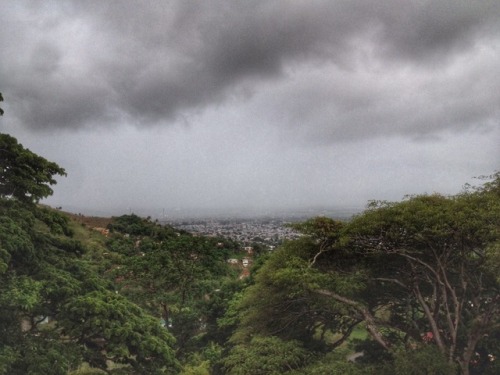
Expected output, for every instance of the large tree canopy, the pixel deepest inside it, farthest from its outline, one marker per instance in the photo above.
(45, 275)
(23, 174)
(417, 275)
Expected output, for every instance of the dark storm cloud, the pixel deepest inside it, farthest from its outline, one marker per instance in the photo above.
(70, 65)
(353, 108)
(432, 31)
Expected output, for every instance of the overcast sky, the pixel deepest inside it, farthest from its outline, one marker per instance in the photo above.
(176, 105)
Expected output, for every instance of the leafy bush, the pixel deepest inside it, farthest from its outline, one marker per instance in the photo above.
(423, 361)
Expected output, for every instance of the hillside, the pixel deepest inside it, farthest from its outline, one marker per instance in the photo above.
(89, 221)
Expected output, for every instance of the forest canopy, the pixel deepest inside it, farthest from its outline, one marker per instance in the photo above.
(420, 276)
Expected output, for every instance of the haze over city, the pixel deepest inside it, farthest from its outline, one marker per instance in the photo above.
(189, 106)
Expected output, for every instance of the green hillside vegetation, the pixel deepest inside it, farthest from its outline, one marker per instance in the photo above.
(408, 287)
(133, 300)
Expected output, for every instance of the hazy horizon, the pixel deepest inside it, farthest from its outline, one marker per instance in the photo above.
(194, 213)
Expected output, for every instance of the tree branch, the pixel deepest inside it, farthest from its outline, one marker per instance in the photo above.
(371, 324)
(395, 281)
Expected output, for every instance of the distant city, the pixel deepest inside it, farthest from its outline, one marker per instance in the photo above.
(253, 228)
(269, 232)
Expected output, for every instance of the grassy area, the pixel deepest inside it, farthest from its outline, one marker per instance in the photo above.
(359, 333)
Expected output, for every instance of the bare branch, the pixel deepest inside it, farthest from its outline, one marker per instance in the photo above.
(321, 251)
(430, 318)
(370, 320)
(395, 281)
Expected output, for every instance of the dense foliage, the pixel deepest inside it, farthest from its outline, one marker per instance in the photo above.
(135, 302)
(56, 311)
(420, 277)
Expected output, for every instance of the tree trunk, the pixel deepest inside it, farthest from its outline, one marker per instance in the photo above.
(371, 325)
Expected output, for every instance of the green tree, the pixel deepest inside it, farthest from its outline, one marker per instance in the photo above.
(45, 277)
(28, 293)
(265, 356)
(178, 279)
(119, 331)
(427, 360)
(284, 300)
(435, 251)
(417, 273)
(23, 174)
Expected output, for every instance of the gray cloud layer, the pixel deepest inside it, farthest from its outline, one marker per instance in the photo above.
(347, 69)
(254, 104)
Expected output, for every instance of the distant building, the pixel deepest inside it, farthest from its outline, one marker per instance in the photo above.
(103, 231)
(244, 274)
